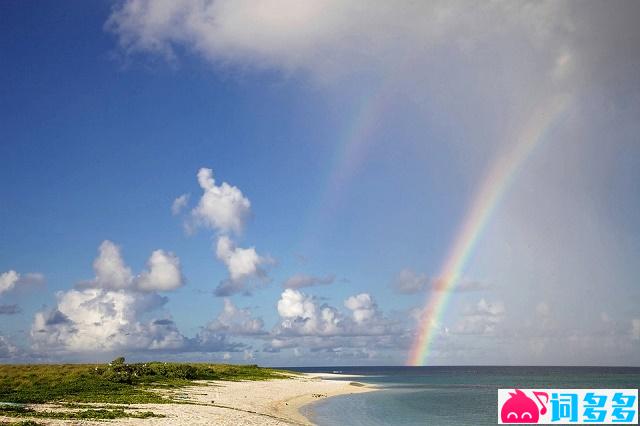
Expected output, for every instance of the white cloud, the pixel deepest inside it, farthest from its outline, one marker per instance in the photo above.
(236, 321)
(221, 208)
(224, 210)
(304, 321)
(301, 316)
(8, 280)
(362, 307)
(179, 204)
(301, 280)
(111, 271)
(11, 279)
(99, 320)
(112, 311)
(294, 303)
(336, 37)
(243, 265)
(274, 32)
(163, 273)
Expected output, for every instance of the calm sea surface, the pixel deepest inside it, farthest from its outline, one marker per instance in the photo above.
(449, 395)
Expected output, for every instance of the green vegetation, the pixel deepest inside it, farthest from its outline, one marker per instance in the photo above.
(114, 383)
(16, 411)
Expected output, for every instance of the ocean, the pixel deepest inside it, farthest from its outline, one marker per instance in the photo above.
(448, 395)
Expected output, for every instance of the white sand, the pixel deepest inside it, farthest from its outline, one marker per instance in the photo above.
(273, 402)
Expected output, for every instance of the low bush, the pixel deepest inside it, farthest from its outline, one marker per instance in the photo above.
(116, 382)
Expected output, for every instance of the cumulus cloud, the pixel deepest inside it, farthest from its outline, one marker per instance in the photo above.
(11, 279)
(362, 307)
(243, 265)
(302, 316)
(301, 280)
(304, 322)
(119, 311)
(236, 321)
(179, 204)
(111, 271)
(99, 320)
(111, 312)
(294, 303)
(222, 208)
(8, 280)
(163, 271)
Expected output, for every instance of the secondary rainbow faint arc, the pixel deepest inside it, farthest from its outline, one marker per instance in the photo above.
(352, 147)
(487, 197)
(349, 152)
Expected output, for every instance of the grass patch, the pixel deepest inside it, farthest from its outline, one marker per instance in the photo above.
(114, 383)
(101, 414)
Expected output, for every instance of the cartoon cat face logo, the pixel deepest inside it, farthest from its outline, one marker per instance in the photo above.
(519, 408)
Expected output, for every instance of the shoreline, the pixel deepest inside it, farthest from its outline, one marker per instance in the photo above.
(292, 408)
(270, 402)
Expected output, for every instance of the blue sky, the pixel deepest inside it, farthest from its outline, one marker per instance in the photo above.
(110, 110)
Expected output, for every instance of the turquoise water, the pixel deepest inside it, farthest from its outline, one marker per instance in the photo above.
(449, 395)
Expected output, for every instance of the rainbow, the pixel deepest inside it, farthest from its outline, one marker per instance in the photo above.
(484, 203)
(357, 138)
(347, 157)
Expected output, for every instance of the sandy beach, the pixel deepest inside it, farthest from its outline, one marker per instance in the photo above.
(272, 402)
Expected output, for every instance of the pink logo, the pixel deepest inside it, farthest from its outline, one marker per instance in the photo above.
(519, 408)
